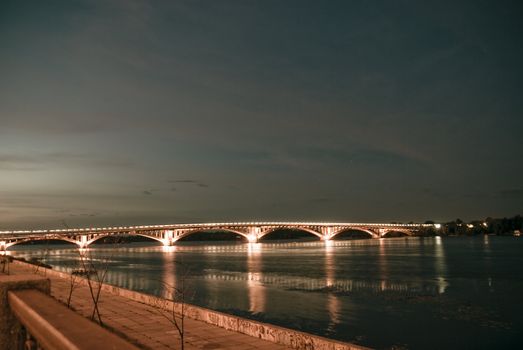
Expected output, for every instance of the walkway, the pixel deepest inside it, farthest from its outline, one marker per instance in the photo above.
(143, 324)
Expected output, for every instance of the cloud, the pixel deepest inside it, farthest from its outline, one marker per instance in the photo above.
(321, 200)
(39, 161)
(512, 193)
(63, 125)
(188, 181)
(18, 163)
(350, 156)
(147, 193)
(84, 215)
(363, 156)
(475, 195)
(182, 181)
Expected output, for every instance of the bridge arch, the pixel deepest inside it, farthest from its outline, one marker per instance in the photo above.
(195, 231)
(303, 229)
(370, 233)
(101, 236)
(34, 239)
(388, 233)
(147, 236)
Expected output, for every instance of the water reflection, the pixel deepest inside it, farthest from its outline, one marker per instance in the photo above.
(256, 289)
(169, 272)
(168, 249)
(334, 310)
(486, 243)
(487, 261)
(440, 265)
(329, 263)
(382, 265)
(333, 304)
(135, 267)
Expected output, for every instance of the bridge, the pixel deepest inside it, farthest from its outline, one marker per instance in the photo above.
(168, 235)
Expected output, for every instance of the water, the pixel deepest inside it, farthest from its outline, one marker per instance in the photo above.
(414, 293)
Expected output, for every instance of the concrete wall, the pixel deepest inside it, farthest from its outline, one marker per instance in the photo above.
(9, 324)
(275, 334)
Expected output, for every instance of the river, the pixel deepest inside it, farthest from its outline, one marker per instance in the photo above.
(401, 293)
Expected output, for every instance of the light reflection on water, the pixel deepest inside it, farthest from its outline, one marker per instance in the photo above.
(255, 286)
(440, 266)
(333, 303)
(367, 291)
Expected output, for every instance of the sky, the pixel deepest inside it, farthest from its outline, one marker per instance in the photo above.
(133, 112)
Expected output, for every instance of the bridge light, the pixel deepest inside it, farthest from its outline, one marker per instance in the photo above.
(437, 226)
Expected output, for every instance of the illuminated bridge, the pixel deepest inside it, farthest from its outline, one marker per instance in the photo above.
(169, 234)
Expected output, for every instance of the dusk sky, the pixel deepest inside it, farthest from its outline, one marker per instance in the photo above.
(143, 112)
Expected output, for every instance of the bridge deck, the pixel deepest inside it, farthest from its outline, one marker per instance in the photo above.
(143, 325)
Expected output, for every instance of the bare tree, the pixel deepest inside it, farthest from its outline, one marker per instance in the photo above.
(87, 267)
(98, 269)
(73, 282)
(173, 307)
(95, 270)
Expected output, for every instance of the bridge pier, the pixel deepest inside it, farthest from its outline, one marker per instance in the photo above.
(327, 233)
(82, 243)
(253, 233)
(3, 246)
(168, 238)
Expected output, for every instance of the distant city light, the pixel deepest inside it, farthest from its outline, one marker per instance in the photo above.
(437, 226)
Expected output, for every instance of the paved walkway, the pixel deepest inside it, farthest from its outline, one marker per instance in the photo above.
(145, 326)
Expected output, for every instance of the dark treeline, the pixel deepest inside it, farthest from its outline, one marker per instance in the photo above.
(497, 226)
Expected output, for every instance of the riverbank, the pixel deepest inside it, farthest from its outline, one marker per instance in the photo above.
(138, 318)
